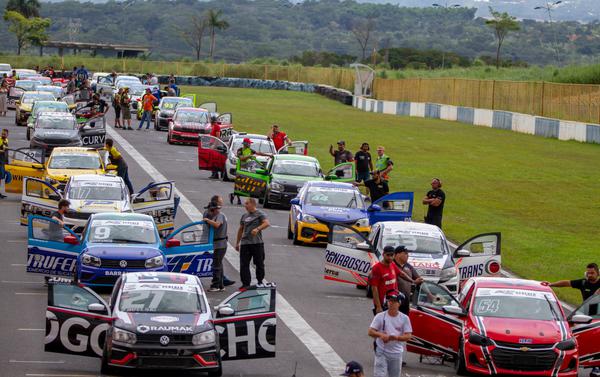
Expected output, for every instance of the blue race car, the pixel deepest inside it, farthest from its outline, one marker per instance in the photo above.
(114, 243)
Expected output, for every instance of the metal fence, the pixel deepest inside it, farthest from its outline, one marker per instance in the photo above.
(562, 101)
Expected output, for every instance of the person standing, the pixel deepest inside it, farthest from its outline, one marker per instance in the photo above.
(377, 186)
(117, 106)
(4, 95)
(219, 200)
(434, 200)
(341, 155)
(364, 164)
(214, 218)
(391, 330)
(126, 108)
(383, 279)
(383, 163)
(588, 286)
(82, 75)
(117, 159)
(280, 139)
(147, 106)
(215, 131)
(153, 79)
(406, 280)
(250, 243)
(3, 158)
(55, 229)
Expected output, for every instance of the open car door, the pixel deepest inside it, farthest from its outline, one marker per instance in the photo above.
(212, 153)
(211, 107)
(251, 180)
(246, 323)
(348, 257)
(190, 96)
(158, 201)
(226, 122)
(342, 173)
(435, 333)
(295, 147)
(39, 198)
(23, 162)
(478, 256)
(76, 321)
(93, 132)
(14, 94)
(588, 335)
(52, 249)
(189, 249)
(396, 206)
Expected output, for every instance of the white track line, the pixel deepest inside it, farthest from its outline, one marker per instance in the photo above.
(321, 350)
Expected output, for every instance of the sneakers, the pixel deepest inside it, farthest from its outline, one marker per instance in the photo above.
(243, 287)
(227, 283)
(216, 289)
(595, 372)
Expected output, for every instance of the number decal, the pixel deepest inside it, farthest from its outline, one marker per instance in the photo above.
(101, 232)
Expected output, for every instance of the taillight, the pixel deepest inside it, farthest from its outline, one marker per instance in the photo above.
(492, 267)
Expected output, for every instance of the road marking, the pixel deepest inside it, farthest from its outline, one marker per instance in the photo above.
(18, 264)
(25, 329)
(59, 375)
(348, 298)
(30, 293)
(321, 350)
(37, 361)
(14, 241)
(21, 282)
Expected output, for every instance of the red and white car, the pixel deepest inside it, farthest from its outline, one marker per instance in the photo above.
(189, 123)
(504, 326)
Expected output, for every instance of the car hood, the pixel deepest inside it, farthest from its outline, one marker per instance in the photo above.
(191, 126)
(25, 107)
(97, 206)
(429, 266)
(53, 134)
(293, 180)
(163, 323)
(123, 251)
(63, 175)
(522, 331)
(335, 214)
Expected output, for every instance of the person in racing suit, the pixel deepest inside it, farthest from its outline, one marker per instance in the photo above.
(116, 158)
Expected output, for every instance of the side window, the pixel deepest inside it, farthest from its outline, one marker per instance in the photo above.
(397, 205)
(374, 235)
(591, 307)
(193, 235)
(466, 295)
(252, 301)
(345, 237)
(48, 230)
(156, 193)
(482, 245)
(434, 296)
(343, 172)
(72, 297)
(39, 189)
(26, 155)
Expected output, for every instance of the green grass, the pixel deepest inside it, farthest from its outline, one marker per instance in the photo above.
(540, 193)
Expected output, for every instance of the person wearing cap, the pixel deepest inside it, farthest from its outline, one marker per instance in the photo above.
(147, 106)
(434, 200)
(353, 369)
(383, 163)
(391, 330)
(341, 154)
(383, 279)
(246, 155)
(215, 219)
(215, 131)
(408, 279)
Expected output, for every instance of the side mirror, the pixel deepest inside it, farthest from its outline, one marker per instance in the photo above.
(226, 311)
(581, 319)
(295, 201)
(221, 148)
(261, 171)
(37, 166)
(463, 253)
(172, 242)
(96, 308)
(363, 246)
(71, 240)
(374, 208)
(17, 102)
(448, 309)
(54, 197)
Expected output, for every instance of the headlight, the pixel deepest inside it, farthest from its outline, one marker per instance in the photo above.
(207, 337)
(362, 222)
(479, 340)
(90, 260)
(448, 273)
(309, 219)
(154, 262)
(120, 335)
(276, 186)
(566, 345)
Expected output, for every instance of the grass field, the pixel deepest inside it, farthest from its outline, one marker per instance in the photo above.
(542, 194)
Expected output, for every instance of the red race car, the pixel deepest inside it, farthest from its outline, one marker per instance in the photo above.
(504, 326)
(189, 123)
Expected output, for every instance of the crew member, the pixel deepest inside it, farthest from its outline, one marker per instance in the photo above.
(383, 163)
(3, 158)
(98, 106)
(250, 243)
(246, 157)
(341, 155)
(54, 229)
(588, 286)
(280, 139)
(215, 219)
(116, 102)
(364, 164)
(147, 107)
(117, 159)
(435, 200)
(377, 186)
(219, 200)
(82, 75)
(406, 280)
(383, 279)
(215, 131)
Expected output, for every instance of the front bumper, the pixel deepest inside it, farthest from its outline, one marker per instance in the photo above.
(155, 356)
(190, 138)
(107, 277)
(281, 197)
(317, 233)
(162, 123)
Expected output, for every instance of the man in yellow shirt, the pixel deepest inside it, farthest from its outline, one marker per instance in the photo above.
(116, 158)
(3, 157)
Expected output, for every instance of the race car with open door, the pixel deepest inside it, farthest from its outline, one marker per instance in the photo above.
(189, 123)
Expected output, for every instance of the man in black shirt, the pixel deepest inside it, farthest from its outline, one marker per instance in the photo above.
(588, 286)
(364, 165)
(377, 186)
(341, 155)
(435, 200)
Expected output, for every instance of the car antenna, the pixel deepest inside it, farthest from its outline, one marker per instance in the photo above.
(295, 367)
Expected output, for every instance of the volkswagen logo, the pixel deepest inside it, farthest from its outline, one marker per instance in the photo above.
(164, 340)
(123, 263)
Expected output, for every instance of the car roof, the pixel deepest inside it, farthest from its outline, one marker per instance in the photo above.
(160, 278)
(37, 92)
(510, 283)
(96, 178)
(409, 225)
(60, 150)
(250, 136)
(122, 216)
(55, 114)
(343, 185)
(194, 109)
(177, 98)
(295, 157)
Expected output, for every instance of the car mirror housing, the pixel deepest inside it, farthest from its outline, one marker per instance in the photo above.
(456, 310)
(171, 242)
(580, 319)
(71, 240)
(226, 311)
(96, 308)
(363, 246)
(374, 208)
(463, 253)
(295, 201)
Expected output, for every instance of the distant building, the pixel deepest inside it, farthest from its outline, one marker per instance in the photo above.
(103, 49)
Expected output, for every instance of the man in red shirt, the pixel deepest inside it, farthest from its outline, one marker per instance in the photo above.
(147, 105)
(215, 131)
(279, 138)
(383, 279)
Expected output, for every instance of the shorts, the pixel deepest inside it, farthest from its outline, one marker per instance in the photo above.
(126, 111)
(362, 176)
(117, 112)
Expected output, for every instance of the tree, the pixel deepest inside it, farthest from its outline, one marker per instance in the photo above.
(27, 30)
(37, 35)
(362, 30)
(194, 33)
(215, 22)
(151, 25)
(502, 23)
(28, 8)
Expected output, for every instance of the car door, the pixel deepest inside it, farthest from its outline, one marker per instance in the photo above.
(226, 122)
(192, 97)
(247, 324)
(435, 333)
(296, 147)
(212, 153)
(211, 107)
(52, 249)
(587, 335)
(158, 201)
(23, 162)
(76, 321)
(38, 198)
(349, 256)
(93, 132)
(343, 172)
(251, 180)
(478, 256)
(189, 249)
(396, 206)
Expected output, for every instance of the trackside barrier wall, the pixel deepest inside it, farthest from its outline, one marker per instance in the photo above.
(505, 120)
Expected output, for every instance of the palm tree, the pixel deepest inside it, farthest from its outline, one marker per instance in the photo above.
(28, 8)
(215, 22)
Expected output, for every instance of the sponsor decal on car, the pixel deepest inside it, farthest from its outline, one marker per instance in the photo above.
(346, 261)
(142, 329)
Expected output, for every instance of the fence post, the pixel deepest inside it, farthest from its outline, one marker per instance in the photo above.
(493, 93)
(419, 90)
(454, 93)
(265, 72)
(543, 96)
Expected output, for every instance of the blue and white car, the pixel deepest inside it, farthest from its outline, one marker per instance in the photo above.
(115, 243)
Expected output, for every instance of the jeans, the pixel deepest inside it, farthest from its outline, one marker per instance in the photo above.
(250, 252)
(123, 172)
(387, 364)
(146, 116)
(217, 279)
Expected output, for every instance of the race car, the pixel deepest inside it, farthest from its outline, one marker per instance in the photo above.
(166, 109)
(188, 123)
(16, 91)
(113, 244)
(350, 255)
(163, 321)
(57, 91)
(98, 193)
(499, 326)
(54, 130)
(5, 68)
(24, 105)
(320, 204)
(44, 106)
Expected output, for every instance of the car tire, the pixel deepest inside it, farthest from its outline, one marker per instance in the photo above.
(459, 364)
(266, 203)
(295, 240)
(28, 133)
(289, 231)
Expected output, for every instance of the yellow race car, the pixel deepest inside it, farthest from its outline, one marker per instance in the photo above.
(24, 105)
(63, 163)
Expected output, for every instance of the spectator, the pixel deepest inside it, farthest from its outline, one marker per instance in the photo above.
(3, 158)
(4, 95)
(280, 139)
(170, 91)
(82, 75)
(353, 369)
(116, 158)
(383, 163)
(383, 279)
(125, 108)
(117, 106)
(153, 79)
(391, 330)
(435, 200)
(377, 186)
(147, 107)
(214, 218)
(588, 286)
(250, 242)
(72, 85)
(410, 276)
(341, 155)
(364, 164)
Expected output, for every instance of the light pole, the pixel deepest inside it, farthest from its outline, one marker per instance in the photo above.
(549, 7)
(445, 7)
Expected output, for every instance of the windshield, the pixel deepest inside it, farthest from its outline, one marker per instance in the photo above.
(5, 67)
(516, 303)
(415, 241)
(75, 161)
(136, 90)
(258, 145)
(50, 89)
(59, 107)
(334, 197)
(122, 231)
(56, 123)
(160, 298)
(30, 97)
(96, 191)
(27, 85)
(191, 117)
(296, 167)
(172, 103)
